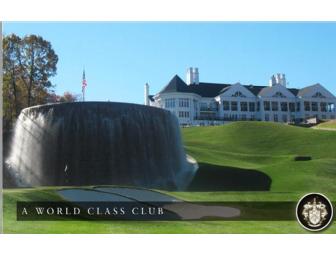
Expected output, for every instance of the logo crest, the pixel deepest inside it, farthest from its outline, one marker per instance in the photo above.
(314, 212)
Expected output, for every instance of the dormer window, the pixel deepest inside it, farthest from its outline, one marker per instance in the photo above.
(279, 94)
(318, 95)
(238, 94)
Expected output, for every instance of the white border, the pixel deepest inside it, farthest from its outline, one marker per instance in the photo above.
(332, 212)
(173, 10)
(169, 10)
(167, 244)
(1, 139)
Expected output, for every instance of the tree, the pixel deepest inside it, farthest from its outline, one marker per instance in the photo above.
(37, 64)
(67, 97)
(28, 64)
(11, 56)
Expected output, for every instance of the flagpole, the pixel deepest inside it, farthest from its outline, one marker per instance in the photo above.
(84, 84)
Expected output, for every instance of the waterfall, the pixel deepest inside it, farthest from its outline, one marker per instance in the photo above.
(98, 143)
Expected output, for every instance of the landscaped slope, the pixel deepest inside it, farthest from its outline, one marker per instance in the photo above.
(328, 124)
(265, 148)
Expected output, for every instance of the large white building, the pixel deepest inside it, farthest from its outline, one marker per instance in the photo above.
(201, 103)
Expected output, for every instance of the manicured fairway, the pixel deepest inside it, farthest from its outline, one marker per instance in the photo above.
(267, 148)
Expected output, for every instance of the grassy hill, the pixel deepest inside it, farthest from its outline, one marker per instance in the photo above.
(328, 124)
(265, 148)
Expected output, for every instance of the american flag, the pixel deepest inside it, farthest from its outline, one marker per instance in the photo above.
(84, 84)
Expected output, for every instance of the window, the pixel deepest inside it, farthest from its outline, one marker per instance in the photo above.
(258, 106)
(243, 116)
(204, 106)
(284, 118)
(275, 106)
(306, 106)
(214, 106)
(251, 106)
(184, 114)
(234, 106)
(243, 106)
(275, 117)
(183, 102)
(266, 105)
(291, 107)
(238, 94)
(323, 107)
(279, 94)
(233, 117)
(298, 106)
(170, 103)
(195, 103)
(284, 106)
(318, 95)
(267, 117)
(314, 107)
(324, 116)
(226, 105)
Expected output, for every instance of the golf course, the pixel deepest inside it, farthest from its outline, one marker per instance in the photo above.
(240, 161)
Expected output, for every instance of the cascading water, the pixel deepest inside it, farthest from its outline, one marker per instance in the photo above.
(98, 143)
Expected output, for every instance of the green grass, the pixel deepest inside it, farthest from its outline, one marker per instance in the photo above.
(269, 148)
(328, 124)
(263, 149)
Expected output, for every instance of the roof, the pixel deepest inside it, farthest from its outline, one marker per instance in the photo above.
(175, 85)
(205, 89)
(294, 91)
(306, 90)
(255, 90)
(151, 98)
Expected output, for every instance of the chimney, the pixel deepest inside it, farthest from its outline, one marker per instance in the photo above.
(192, 76)
(195, 76)
(272, 81)
(146, 94)
(278, 79)
(283, 80)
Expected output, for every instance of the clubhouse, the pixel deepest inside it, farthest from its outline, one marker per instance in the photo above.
(202, 103)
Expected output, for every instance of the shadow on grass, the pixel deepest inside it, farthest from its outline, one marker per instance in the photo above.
(225, 178)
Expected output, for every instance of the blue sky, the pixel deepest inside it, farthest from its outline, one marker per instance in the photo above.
(120, 57)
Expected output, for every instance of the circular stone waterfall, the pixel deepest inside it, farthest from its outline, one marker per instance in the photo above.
(98, 143)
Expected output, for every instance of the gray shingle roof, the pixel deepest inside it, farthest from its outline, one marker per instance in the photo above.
(294, 91)
(306, 90)
(204, 89)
